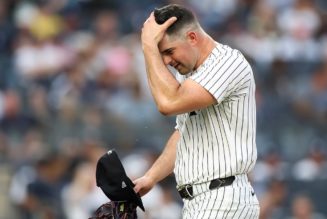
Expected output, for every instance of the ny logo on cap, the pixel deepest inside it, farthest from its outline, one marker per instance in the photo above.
(123, 185)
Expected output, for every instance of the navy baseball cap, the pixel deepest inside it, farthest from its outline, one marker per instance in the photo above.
(112, 179)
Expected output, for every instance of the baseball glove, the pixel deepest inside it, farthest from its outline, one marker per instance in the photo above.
(116, 210)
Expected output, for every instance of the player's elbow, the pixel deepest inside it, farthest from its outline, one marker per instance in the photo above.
(165, 108)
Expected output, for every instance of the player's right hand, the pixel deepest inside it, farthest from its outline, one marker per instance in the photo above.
(143, 185)
(152, 33)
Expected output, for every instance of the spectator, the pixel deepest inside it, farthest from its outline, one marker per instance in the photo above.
(81, 197)
(272, 204)
(303, 208)
(314, 166)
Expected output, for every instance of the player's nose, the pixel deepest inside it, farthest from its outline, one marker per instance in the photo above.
(167, 60)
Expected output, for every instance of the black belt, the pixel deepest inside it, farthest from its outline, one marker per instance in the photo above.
(186, 191)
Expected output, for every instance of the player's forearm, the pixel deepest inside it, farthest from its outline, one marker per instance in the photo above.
(163, 85)
(164, 165)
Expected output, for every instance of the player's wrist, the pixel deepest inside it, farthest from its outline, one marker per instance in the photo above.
(150, 46)
(151, 179)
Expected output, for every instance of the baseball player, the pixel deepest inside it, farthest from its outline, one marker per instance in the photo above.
(213, 146)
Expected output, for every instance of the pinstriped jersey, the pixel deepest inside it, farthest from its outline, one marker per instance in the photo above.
(219, 141)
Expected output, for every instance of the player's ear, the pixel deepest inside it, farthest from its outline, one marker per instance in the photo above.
(192, 37)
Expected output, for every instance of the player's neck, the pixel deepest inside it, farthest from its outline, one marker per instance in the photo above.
(205, 48)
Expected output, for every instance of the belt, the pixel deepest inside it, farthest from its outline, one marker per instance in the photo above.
(186, 191)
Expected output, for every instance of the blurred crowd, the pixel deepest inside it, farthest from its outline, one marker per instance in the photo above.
(73, 85)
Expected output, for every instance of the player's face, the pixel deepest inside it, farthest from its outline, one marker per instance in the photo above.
(179, 53)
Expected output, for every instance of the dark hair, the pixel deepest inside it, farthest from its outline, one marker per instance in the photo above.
(184, 17)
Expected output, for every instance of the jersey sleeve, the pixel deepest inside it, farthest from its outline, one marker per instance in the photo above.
(219, 75)
(179, 124)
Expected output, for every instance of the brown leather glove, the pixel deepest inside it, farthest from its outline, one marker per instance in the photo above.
(116, 210)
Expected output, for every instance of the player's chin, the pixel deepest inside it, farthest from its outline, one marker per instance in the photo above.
(183, 71)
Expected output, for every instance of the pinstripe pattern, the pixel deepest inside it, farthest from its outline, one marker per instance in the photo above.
(219, 141)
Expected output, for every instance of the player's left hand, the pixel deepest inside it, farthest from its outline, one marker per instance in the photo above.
(143, 185)
(152, 33)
